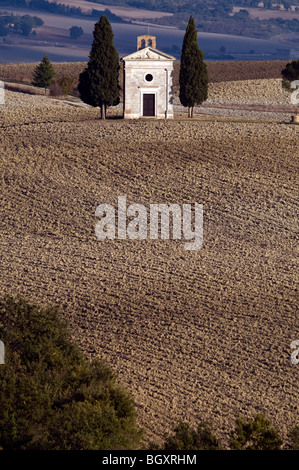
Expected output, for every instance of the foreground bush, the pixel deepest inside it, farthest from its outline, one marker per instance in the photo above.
(294, 438)
(51, 396)
(255, 434)
(187, 438)
(290, 73)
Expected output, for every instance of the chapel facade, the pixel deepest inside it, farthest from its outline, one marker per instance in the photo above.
(148, 82)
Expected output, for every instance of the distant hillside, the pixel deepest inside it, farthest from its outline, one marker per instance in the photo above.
(184, 5)
(61, 9)
(220, 16)
(223, 16)
(234, 17)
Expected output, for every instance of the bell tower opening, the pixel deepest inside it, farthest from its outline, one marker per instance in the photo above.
(146, 41)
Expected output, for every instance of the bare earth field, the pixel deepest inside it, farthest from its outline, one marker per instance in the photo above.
(200, 335)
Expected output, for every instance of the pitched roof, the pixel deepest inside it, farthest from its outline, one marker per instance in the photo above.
(148, 53)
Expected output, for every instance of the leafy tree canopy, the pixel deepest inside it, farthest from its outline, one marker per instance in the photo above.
(76, 32)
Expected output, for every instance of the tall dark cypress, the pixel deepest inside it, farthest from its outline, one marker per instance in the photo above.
(194, 78)
(98, 83)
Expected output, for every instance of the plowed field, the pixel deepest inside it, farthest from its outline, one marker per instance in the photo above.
(193, 334)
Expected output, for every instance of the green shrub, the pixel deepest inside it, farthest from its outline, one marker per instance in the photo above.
(294, 438)
(51, 396)
(66, 84)
(256, 434)
(187, 438)
(290, 73)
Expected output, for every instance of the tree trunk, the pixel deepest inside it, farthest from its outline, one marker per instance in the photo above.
(190, 111)
(103, 111)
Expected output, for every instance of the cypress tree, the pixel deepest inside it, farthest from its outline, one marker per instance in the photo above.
(98, 83)
(194, 77)
(43, 73)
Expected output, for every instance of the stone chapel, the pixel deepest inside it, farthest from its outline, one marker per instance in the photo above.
(148, 81)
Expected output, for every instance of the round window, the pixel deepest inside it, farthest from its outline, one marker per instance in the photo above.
(149, 77)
